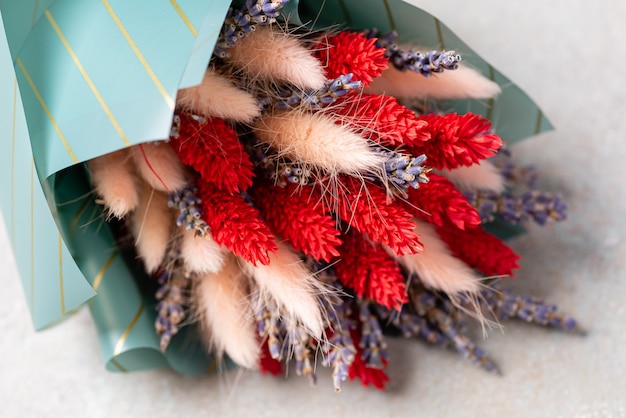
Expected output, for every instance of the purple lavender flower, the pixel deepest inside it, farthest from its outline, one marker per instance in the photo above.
(239, 23)
(525, 176)
(541, 207)
(372, 342)
(440, 314)
(187, 202)
(404, 171)
(291, 97)
(301, 343)
(508, 305)
(412, 325)
(175, 282)
(339, 351)
(425, 63)
(269, 326)
(463, 344)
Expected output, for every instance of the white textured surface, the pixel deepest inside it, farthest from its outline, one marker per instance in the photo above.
(569, 56)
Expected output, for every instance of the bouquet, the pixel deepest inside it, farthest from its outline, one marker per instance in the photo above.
(315, 181)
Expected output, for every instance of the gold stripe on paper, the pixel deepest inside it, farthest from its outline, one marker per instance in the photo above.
(183, 16)
(47, 111)
(120, 343)
(90, 83)
(98, 279)
(170, 102)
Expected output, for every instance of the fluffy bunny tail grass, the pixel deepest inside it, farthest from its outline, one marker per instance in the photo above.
(201, 254)
(482, 176)
(436, 267)
(462, 83)
(115, 182)
(158, 164)
(151, 226)
(317, 140)
(277, 56)
(226, 315)
(291, 285)
(217, 96)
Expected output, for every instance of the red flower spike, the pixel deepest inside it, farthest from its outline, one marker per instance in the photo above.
(213, 150)
(367, 208)
(267, 364)
(368, 375)
(367, 269)
(481, 250)
(235, 224)
(351, 52)
(384, 120)
(457, 140)
(295, 213)
(441, 203)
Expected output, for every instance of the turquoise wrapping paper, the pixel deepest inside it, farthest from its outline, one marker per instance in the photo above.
(82, 79)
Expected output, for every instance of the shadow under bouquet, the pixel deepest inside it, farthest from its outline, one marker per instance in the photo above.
(265, 181)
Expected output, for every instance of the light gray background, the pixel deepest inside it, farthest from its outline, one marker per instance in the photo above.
(569, 56)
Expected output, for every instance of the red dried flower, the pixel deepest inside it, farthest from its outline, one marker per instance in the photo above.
(295, 213)
(214, 151)
(367, 269)
(384, 120)
(235, 224)
(481, 250)
(441, 203)
(371, 212)
(457, 140)
(359, 370)
(351, 52)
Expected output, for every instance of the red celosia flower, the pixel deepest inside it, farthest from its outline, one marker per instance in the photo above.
(367, 269)
(267, 364)
(214, 151)
(295, 213)
(481, 250)
(457, 140)
(384, 120)
(359, 370)
(368, 209)
(235, 224)
(441, 203)
(351, 52)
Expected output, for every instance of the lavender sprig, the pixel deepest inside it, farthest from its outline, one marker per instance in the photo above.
(462, 343)
(519, 175)
(292, 97)
(239, 23)
(280, 172)
(175, 282)
(508, 305)
(424, 63)
(288, 172)
(372, 342)
(187, 202)
(412, 325)
(301, 343)
(270, 326)
(448, 320)
(339, 351)
(405, 171)
(541, 207)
